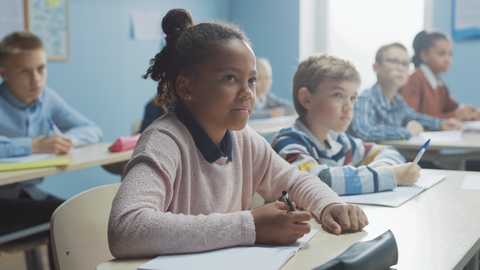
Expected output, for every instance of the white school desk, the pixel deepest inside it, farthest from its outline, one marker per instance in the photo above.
(438, 229)
(468, 148)
(270, 126)
(82, 158)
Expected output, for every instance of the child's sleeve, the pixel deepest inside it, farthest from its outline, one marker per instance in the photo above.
(13, 147)
(344, 178)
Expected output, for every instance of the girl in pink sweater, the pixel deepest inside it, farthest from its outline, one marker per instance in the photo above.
(194, 171)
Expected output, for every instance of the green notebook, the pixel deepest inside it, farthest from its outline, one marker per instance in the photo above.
(50, 162)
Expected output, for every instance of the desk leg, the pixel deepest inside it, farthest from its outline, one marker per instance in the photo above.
(473, 263)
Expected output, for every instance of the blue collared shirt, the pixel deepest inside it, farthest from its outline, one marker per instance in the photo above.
(376, 119)
(20, 123)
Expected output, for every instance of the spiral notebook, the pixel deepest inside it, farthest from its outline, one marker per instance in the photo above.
(398, 195)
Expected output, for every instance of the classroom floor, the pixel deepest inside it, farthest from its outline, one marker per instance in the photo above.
(16, 261)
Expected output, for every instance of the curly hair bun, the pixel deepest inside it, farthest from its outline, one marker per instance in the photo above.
(175, 22)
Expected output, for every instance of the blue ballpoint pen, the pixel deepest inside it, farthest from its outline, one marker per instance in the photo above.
(54, 126)
(422, 150)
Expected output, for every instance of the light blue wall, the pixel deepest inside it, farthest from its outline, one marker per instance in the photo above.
(463, 77)
(102, 77)
(272, 26)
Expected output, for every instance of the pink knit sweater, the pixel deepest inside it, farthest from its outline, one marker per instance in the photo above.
(174, 201)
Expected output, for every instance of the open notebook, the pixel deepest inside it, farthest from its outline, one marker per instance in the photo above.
(398, 195)
(241, 258)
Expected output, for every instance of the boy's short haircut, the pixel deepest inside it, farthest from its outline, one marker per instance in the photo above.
(381, 50)
(317, 69)
(17, 42)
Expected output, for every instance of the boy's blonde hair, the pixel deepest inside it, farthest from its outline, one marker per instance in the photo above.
(317, 69)
(18, 42)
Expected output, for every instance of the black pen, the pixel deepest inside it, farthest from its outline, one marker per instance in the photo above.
(287, 201)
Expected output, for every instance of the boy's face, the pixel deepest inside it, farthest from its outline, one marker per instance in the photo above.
(25, 74)
(394, 67)
(331, 106)
(264, 80)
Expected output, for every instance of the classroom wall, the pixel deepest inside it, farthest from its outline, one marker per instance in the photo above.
(273, 27)
(102, 76)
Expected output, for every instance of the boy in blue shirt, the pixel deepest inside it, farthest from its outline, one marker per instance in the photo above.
(25, 105)
(381, 113)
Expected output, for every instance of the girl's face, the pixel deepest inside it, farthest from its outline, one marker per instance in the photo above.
(223, 88)
(331, 106)
(439, 56)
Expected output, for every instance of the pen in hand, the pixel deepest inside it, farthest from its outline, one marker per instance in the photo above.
(54, 127)
(287, 201)
(422, 150)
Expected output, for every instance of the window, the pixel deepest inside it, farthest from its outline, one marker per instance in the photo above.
(356, 29)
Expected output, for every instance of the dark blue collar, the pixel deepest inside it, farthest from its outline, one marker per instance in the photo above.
(204, 143)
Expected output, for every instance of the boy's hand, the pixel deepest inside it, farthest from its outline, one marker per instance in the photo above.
(406, 174)
(451, 124)
(414, 127)
(56, 144)
(275, 226)
(343, 217)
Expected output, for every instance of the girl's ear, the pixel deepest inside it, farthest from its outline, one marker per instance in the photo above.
(304, 98)
(424, 56)
(183, 88)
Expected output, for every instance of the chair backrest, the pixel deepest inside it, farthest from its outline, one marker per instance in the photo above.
(79, 229)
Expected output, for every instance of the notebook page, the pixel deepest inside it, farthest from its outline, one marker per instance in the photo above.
(241, 258)
(398, 195)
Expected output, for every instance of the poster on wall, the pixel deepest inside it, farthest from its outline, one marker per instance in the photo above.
(49, 20)
(466, 19)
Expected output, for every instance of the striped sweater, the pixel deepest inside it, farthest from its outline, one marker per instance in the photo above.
(343, 165)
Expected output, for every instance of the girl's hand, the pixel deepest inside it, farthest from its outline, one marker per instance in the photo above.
(275, 226)
(343, 217)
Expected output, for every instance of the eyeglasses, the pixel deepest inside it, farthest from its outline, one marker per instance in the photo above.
(395, 63)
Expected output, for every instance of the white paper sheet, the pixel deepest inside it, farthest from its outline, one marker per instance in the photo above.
(241, 258)
(147, 25)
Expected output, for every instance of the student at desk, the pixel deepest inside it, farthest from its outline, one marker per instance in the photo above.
(324, 93)
(425, 91)
(26, 104)
(190, 182)
(267, 103)
(153, 110)
(381, 113)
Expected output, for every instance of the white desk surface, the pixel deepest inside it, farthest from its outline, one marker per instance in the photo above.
(81, 158)
(438, 229)
(269, 126)
(469, 141)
